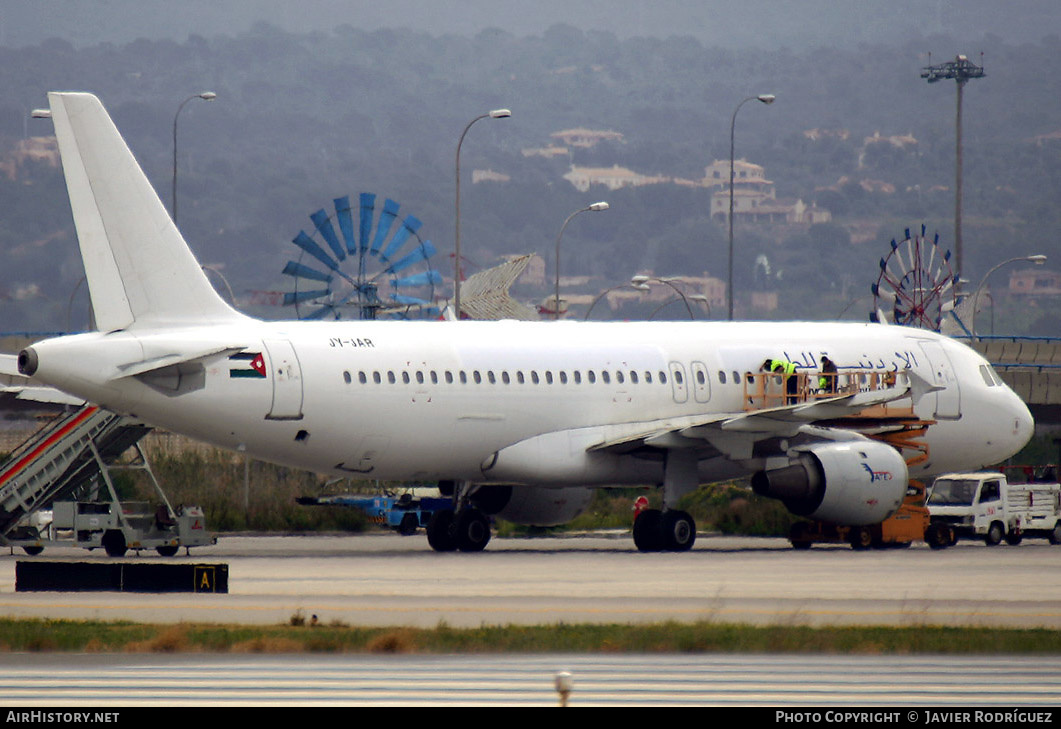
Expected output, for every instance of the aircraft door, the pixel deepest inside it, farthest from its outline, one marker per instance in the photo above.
(679, 386)
(287, 380)
(701, 382)
(948, 400)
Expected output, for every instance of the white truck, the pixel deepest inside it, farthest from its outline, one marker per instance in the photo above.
(987, 506)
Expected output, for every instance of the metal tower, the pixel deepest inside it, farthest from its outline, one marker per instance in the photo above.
(961, 69)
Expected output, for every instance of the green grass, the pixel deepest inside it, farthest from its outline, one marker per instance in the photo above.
(299, 637)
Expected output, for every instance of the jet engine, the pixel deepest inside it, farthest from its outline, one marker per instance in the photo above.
(533, 506)
(851, 483)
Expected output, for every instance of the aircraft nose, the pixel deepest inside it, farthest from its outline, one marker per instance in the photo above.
(1023, 423)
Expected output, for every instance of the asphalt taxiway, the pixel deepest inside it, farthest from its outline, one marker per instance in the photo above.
(384, 579)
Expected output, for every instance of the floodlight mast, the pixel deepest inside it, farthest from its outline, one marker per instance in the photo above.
(961, 69)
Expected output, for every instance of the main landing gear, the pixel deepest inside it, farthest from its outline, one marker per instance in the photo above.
(463, 528)
(670, 530)
(664, 531)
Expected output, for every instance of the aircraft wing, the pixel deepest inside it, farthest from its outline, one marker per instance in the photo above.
(735, 435)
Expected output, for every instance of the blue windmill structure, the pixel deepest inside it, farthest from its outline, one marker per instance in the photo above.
(381, 270)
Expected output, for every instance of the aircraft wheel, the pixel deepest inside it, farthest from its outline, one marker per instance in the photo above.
(167, 550)
(799, 535)
(647, 533)
(677, 531)
(473, 530)
(441, 532)
(114, 543)
(994, 535)
(33, 551)
(860, 538)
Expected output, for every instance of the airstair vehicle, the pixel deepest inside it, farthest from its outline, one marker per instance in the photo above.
(63, 466)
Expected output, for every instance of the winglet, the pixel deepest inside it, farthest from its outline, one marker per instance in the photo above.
(139, 268)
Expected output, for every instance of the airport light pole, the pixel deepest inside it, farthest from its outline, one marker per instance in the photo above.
(605, 292)
(205, 96)
(596, 207)
(1038, 259)
(495, 114)
(765, 99)
(642, 280)
(961, 69)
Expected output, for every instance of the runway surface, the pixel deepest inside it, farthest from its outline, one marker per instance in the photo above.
(627, 680)
(384, 579)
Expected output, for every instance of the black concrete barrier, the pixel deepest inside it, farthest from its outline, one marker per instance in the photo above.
(42, 576)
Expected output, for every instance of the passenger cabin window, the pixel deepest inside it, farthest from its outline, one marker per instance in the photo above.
(534, 377)
(633, 376)
(346, 377)
(578, 377)
(376, 378)
(419, 377)
(563, 377)
(605, 377)
(591, 376)
(722, 377)
(490, 377)
(477, 377)
(504, 377)
(519, 377)
(548, 377)
(362, 378)
(464, 377)
(390, 377)
(405, 377)
(662, 377)
(619, 376)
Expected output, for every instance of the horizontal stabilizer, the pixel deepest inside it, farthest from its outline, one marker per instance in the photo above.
(142, 367)
(41, 393)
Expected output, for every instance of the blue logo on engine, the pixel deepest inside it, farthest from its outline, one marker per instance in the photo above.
(877, 475)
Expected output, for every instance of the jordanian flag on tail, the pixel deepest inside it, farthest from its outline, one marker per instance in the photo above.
(247, 364)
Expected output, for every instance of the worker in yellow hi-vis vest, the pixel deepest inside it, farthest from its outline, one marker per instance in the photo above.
(787, 370)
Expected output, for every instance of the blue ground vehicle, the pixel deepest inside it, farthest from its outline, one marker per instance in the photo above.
(404, 514)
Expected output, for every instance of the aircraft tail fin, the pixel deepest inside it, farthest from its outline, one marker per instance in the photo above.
(140, 271)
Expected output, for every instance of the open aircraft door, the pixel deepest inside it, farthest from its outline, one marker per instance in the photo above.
(287, 380)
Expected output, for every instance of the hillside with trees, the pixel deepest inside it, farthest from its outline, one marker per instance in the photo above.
(302, 118)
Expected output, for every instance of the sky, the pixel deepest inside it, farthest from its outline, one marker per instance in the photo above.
(723, 23)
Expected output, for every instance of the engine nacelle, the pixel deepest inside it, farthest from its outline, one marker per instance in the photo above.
(533, 506)
(853, 483)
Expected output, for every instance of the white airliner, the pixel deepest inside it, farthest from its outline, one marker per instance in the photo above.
(522, 419)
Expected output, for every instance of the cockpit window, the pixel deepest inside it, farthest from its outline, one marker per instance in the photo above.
(988, 375)
(998, 380)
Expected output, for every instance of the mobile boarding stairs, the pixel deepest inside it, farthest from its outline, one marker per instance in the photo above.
(62, 466)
